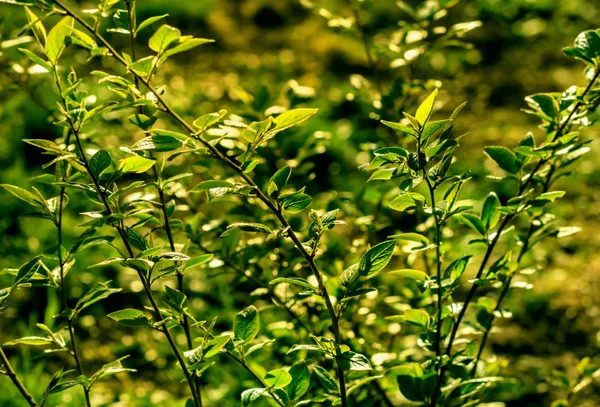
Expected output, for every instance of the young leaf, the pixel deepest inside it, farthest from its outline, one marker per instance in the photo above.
(23, 195)
(157, 143)
(327, 381)
(300, 381)
(278, 378)
(135, 164)
(250, 395)
(425, 109)
(354, 361)
(36, 26)
(296, 202)
(164, 36)
(97, 293)
(417, 317)
(247, 227)
(490, 213)
(291, 118)
(247, 324)
(55, 44)
(206, 185)
(129, 317)
(278, 181)
(376, 258)
(505, 158)
(413, 274)
(149, 21)
(293, 280)
(99, 162)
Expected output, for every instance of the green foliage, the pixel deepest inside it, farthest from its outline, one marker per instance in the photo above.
(348, 295)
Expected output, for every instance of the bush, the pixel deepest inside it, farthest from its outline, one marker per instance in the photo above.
(321, 298)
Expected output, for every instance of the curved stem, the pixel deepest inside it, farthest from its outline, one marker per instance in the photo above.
(131, 17)
(63, 288)
(260, 195)
(15, 379)
(123, 235)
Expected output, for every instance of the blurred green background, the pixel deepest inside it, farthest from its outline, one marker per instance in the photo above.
(270, 53)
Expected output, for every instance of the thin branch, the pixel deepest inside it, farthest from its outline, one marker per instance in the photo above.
(15, 379)
(131, 18)
(123, 236)
(63, 289)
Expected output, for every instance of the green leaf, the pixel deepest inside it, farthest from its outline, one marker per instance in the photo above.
(164, 36)
(31, 341)
(278, 378)
(157, 143)
(354, 361)
(417, 317)
(207, 120)
(135, 164)
(247, 227)
(376, 258)
(23, 195)
(99, 162)
(547, 197)
(401, 127)
(129, 317)
(250, 395)
(472, 221)
(36, 26)
(26, 271)
(55, 44)
(433, 129)
(361, 383)
(456, 269)
(490, 213)
(143, 66)
(110, 369)
(136, 239)
(505, 158)
(278, 181)
(206, 185)
(415, 384)
(586, 47)
(186, 45)
(425, 109)
(407, 200)
(383, 174)
(327, 381)
(293, 280)
(413, 274)
(247, 324)
(37, 59)
(149, 21)
(97, 293)
(291, 118)
(296, 202)
(300, 381)
(197, 261)
(413, 237)
(214, 346)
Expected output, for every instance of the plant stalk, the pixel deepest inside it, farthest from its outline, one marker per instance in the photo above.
(15, 379)
(123, 236)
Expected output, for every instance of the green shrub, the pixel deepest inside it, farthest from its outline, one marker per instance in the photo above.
(147, 202)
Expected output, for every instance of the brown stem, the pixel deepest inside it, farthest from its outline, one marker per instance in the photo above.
(15, 379)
